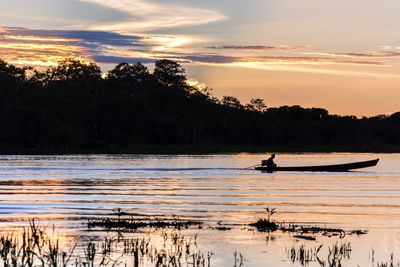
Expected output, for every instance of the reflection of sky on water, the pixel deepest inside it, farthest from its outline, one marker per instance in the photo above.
(66, 190)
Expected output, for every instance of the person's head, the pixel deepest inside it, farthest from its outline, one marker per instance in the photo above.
(273, 156)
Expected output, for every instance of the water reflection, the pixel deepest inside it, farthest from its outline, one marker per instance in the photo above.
(67, 190)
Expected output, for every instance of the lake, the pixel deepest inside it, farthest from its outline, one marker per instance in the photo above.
(67, 190)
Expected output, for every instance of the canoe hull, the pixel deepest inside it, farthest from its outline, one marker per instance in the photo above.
(324, 168)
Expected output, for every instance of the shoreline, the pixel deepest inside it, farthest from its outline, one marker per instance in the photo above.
(200, 150)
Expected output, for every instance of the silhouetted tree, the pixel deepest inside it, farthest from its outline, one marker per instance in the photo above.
(71, 69)
(72, 107)
(256, 104)
(231, 101)
(135, 73)
(169, 73)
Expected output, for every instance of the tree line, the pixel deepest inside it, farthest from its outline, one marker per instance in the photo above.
(75, 107)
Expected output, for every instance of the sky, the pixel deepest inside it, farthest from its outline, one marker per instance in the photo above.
(340, 55)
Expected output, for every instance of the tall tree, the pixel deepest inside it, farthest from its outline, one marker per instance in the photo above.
(169, 73)
(72, 69)
(135, 73)
(232, 102)
(257, 104)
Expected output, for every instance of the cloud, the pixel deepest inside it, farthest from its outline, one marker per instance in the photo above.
(214, 59)
(47, 47)
(259, 47)
(144, 16)
(117, 60)
(391, 47)
(376, 54)
(76, 37)
(307, 60)
(318, 70)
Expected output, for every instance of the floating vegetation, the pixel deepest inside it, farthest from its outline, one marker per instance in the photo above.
(120, 223)
(302, 231)
(222, 228)
(266, 224)
(305, 237)
(329, 232)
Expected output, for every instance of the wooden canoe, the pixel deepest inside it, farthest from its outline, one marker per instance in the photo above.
(323, 168)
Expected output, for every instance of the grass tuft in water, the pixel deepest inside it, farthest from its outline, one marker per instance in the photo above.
(35, 247)
(303, 255)
(266, 224)
(336, 254)
(124, 222)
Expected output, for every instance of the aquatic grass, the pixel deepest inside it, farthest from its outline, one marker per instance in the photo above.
(239, 259)
(35, 247)
(389, 263)
(121, 222)
(266, 224)
(303, 255)
(336, 254)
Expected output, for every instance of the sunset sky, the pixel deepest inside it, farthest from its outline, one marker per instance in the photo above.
(340, 55)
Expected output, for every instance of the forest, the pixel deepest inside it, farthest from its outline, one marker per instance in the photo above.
(74, 107)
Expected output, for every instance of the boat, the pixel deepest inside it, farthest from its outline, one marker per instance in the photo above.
(322, 168)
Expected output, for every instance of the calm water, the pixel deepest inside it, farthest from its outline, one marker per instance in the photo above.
(65, 190)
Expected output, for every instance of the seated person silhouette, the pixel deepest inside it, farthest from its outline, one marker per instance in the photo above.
(269, 163)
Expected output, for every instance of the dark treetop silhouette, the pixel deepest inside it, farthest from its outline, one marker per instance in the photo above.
(73, 107)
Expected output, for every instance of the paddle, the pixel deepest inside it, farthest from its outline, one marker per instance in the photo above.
(252, 166)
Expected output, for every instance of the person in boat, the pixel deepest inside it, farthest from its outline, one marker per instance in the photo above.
(269, 163)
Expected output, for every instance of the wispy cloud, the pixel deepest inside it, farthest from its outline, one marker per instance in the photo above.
(390, 47)
(144, 16)
(117, 59)
(47, 47)
(317, 70)
(259, 47)
(308, 60)
(78, 37)
(375, 54)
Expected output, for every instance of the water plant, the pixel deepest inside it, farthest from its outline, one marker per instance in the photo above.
(266, 224)
(239, 259)
(303, 255)
(336, 254)
(124, 222)
(35, 247)
(389, 263)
